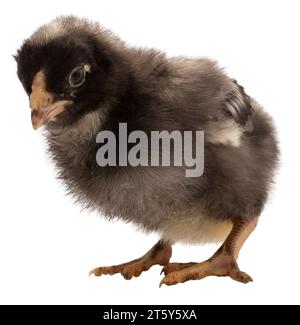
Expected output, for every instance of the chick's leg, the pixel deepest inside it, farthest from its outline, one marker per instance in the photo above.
(159, 254)
(222, 263)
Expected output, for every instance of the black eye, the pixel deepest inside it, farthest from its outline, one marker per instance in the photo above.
(77, 77)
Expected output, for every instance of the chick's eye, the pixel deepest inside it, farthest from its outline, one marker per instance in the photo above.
(77, 77)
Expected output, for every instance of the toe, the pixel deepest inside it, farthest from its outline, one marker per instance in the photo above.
(171, 279)
(128, 272)
(127, 275)
(133, 270)
(98, 271)
(172, 267)
(167, 269)
(110, 270)
(240, 276)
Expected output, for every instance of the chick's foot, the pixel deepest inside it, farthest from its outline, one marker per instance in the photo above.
(221, 265)
(159, 254)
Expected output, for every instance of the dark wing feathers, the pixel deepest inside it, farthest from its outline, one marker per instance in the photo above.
(238, 105)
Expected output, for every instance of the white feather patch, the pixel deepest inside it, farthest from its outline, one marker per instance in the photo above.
(227, 133)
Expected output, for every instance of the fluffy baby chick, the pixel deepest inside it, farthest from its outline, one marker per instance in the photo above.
(81, 79)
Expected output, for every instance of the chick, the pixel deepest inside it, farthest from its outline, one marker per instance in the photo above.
(81, 79)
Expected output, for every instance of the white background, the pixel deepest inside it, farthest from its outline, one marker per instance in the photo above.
(48, 246)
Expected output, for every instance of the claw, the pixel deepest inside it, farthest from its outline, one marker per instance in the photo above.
(93, 272)
(162, 282)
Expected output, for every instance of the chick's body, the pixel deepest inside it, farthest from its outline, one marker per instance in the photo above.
(238, 164)
(149, 91)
